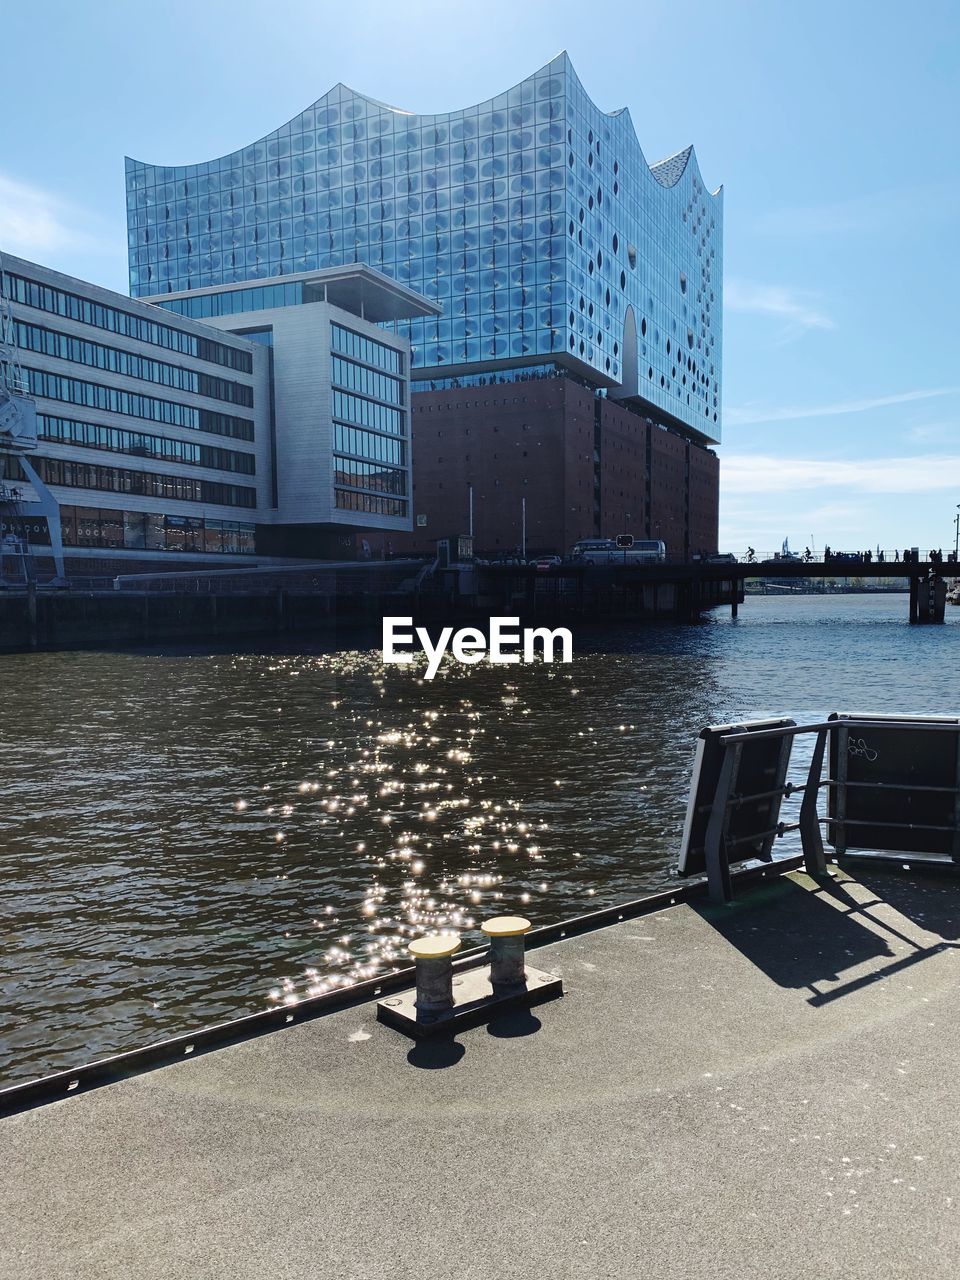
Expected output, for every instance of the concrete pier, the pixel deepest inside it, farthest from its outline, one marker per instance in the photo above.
(765, 1090)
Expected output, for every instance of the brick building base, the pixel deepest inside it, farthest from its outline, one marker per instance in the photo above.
(582, 465)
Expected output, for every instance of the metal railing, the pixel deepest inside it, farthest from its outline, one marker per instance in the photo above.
(320, 575)
(733, 794)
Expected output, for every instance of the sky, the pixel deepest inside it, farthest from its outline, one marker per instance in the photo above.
(832, 127)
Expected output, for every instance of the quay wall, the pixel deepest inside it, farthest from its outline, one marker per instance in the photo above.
(113, 619)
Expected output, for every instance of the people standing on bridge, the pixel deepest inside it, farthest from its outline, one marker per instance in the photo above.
(896, 557)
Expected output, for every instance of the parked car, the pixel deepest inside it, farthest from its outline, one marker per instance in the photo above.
(544, 563)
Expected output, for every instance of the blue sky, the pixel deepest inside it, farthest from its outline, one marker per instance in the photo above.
(833, 129)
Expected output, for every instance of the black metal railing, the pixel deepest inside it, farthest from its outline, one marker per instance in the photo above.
(911, 806)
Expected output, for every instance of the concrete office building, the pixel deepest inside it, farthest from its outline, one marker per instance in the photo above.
(532, 221)
(340, 395)
(163, 441)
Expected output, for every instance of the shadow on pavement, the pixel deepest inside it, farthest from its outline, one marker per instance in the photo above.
(435, 1055)
(794, 934)
(513, 1022)
(807, 936)
(931, 901)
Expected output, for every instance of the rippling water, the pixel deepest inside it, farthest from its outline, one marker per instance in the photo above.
(189, 836)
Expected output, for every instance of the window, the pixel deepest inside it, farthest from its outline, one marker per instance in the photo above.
(93, 395)
(350, 500)
(93, 435)
(369, 475)
(62, 346)
(367, 413)
(92, 475)
(58, 302)
(151, 531)
(368, 382)
(366, 350)
(367, 444)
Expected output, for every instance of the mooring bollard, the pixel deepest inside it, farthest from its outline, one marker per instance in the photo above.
(506, 934)
(481, 990)
(434, 974)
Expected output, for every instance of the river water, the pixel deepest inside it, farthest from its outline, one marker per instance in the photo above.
(187, 836)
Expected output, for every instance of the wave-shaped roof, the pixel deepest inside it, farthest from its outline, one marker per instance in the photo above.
(667, 172)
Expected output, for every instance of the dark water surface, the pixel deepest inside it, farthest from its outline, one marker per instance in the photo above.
(186, 837)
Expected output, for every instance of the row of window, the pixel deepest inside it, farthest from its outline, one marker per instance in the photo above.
(367, 413)
(61, 303)
(93, 435)
(526, 373)
(369, 475)
(366, 350)
(354, 377)
(233, 301)
(149, 531)
(91, 475)
(366, 444)
(35, 337)
(351, 500)
(94, 395)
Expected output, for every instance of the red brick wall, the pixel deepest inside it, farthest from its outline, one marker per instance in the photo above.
(623, 471)
(528, 440)
(668, 491)
(704, 499)
(534, 440)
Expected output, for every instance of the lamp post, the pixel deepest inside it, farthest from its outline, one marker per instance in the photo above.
(956, 542)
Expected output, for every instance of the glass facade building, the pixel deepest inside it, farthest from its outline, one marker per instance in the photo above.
(532, 220)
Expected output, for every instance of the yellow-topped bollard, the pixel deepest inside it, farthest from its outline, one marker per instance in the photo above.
(506, 934)
(434, 974)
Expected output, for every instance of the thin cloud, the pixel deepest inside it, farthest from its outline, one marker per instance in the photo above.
(760, 474)
(750, 413)
(743, 524)
(933, 433)
(38, 223)
(878, 211)
(798, 310)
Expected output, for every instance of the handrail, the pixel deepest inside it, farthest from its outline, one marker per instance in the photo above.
(731, 797)
(953, 726)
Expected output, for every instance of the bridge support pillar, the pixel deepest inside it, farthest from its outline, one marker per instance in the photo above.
(928, 597)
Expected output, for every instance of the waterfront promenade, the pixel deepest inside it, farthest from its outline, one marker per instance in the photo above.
(762, 1090)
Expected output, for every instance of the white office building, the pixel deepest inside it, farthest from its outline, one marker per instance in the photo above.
(225, 426)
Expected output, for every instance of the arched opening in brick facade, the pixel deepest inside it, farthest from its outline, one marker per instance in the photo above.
(628, 385)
